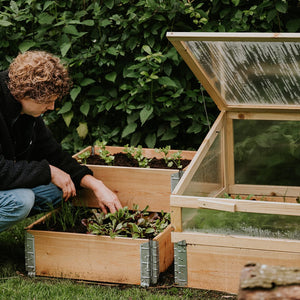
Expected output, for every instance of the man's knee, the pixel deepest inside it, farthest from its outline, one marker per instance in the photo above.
(47, 197)
(16, 203)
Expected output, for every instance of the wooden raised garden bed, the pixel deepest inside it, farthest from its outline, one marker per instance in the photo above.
(134, 185)
(96, 257)
(238, 201)
(102, 258)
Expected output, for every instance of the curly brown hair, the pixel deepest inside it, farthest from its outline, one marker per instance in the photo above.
(38, 75)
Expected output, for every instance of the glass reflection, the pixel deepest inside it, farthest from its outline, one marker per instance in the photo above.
(252, 72)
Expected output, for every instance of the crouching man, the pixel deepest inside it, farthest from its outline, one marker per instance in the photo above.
(35, 173)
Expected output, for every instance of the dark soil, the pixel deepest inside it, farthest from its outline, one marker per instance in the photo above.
(57, 222)
(121, 159)
(56, 226)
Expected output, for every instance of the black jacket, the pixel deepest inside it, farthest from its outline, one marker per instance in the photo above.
(27, 147)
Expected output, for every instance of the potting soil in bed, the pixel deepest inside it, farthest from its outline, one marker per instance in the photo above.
(122, 160)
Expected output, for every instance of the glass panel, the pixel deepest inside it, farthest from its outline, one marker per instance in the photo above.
(252, 72)
(267, 152)
(207, 178)
(240, 223)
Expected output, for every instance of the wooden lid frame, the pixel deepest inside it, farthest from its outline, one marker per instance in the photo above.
(214, 86)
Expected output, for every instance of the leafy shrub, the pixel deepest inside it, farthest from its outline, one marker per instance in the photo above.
(130, 85)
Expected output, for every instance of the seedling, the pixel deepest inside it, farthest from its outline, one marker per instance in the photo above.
(137, 153)
(238, 197)
(83, 156)
(175, 158)
(105, 154)
(66, 216)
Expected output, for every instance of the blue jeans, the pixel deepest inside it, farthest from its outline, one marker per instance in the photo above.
(17, 204)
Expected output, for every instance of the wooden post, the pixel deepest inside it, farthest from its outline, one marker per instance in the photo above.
(263, 282)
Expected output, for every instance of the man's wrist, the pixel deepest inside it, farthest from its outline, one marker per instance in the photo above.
(90, 182)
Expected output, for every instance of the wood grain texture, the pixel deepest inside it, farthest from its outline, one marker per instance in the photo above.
(219, 268)
(143, 186)
(95, 258)
(87, 257)
(166, 249)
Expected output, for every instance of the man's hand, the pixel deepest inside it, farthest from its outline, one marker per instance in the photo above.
(63, 181)
(106, 198)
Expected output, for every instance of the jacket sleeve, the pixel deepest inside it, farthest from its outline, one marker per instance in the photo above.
(46, 147)
(23, 174)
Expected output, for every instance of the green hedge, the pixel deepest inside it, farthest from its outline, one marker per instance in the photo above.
(130, 85)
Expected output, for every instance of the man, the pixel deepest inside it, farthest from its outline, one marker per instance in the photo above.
(35, 174)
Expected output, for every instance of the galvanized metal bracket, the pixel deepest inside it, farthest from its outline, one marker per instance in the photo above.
(175, 177)
(149, 263)
(29, 254)
(180, 263)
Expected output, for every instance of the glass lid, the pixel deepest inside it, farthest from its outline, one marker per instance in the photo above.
(244, 70)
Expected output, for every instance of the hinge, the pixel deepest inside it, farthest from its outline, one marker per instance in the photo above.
(29, 254)
(180, 263)
(149, 263)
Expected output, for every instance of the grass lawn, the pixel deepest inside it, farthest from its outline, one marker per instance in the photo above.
(15, 284)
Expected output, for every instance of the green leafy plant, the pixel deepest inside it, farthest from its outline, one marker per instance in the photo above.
(153, 96)
(170, 160)
(137, 153)
(82, 157)
(249, 197)
(135, 224)
(104, 153)
(176, 158)
(66, 216)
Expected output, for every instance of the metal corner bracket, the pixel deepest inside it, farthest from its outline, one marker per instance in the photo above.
(180, 263)
(29, 254)
(149, 263)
